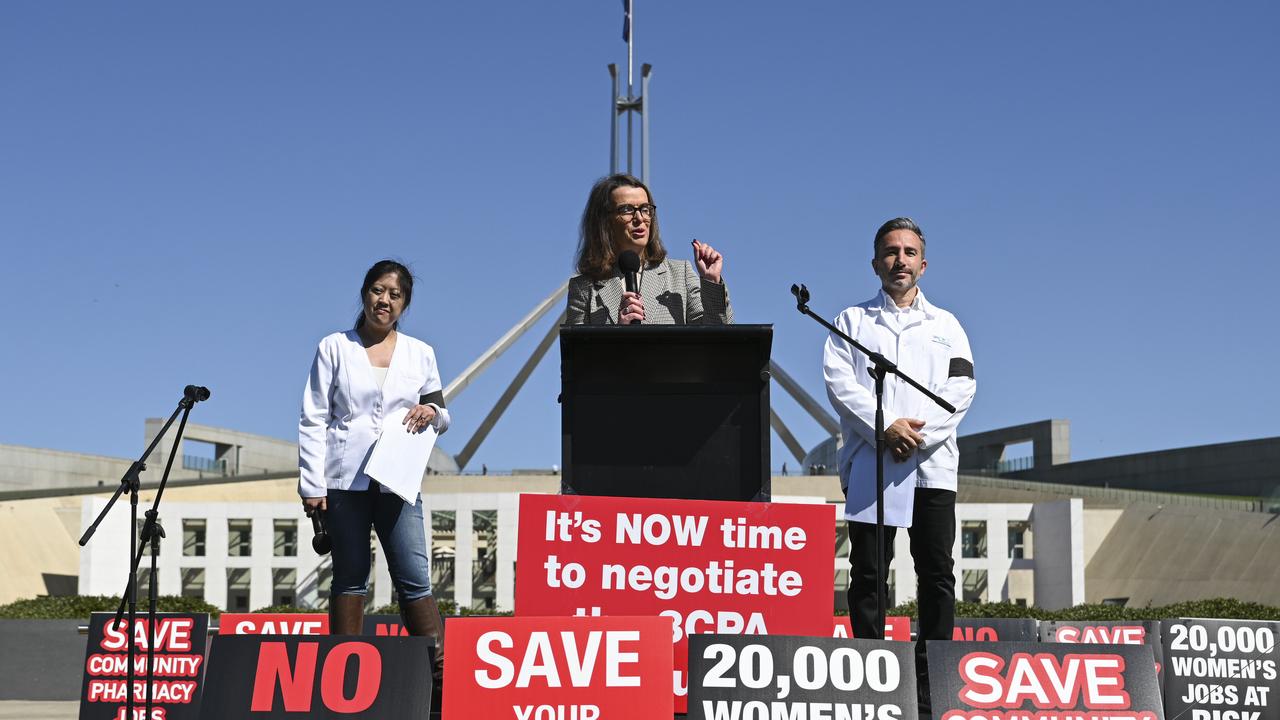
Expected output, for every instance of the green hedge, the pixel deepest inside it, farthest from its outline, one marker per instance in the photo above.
(447, 607)
(1224, 608)
(78, 607)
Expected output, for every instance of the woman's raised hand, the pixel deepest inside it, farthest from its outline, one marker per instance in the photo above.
(710, 263)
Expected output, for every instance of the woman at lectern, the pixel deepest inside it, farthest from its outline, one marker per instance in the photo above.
(625, 275)
(360, 377)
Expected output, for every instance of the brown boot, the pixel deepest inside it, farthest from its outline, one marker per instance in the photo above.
(346, 615)
(422, 617)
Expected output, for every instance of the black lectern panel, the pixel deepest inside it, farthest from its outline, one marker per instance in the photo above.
(666, 411)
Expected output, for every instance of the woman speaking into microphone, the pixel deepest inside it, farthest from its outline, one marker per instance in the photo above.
(619, 239)
(360, 377)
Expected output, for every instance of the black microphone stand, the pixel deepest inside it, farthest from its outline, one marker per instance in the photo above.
(149, 535)
(883, 367)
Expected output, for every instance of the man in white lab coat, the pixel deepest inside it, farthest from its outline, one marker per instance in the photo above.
(921, 456)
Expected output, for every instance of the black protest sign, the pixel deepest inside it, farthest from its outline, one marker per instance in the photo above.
(384, 626)
(770, 676)
(1221, 669)
(1108, 632)
(1039, 681)
(178, 666)
(257, 676)
(994, 630)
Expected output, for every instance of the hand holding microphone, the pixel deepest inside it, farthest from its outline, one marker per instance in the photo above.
(315, 508)
(631, 309)
(320, 542)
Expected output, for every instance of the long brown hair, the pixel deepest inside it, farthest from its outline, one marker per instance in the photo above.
(596, 256)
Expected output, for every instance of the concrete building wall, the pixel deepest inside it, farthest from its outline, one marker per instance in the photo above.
(1249, 468)
(1161, 554)
(103, 564)
(244, 453)
(27, 468)
(1059, 580)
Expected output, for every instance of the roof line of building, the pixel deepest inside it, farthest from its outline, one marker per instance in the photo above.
(185, 482)
(1123, 495)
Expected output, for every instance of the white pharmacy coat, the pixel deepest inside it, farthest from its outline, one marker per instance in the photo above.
(927, 343)
(343, 408)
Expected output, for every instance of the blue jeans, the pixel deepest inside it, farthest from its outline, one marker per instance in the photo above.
(400, 529)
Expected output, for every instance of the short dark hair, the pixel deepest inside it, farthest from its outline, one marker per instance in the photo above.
(596, 256)
(898, 223)
(376, 273)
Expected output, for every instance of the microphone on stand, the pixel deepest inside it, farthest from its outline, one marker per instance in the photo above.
(321, 542)
(629, 264)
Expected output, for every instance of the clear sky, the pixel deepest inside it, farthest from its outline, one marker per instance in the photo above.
(191, 192)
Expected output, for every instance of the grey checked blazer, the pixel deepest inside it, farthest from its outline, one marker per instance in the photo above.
(673, 294)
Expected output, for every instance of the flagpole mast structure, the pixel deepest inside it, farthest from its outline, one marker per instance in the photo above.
(630, 104)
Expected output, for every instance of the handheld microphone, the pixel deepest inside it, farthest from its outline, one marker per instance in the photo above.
(195, 393)
(321, 542)
(629, 264)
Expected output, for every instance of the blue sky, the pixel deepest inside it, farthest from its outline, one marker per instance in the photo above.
(190, 193)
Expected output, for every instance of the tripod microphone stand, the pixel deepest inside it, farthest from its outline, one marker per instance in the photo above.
(882, 367)
(149, 535)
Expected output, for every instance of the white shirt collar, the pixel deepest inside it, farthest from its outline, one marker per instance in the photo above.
(920, 304)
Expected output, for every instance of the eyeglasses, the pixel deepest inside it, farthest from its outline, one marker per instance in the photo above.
(646, 211)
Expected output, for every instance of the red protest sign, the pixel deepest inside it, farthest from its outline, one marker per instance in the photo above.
(555, 667)
(707, 566)
(896, 627)
(273, 624)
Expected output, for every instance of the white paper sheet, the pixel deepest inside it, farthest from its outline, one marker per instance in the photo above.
(399, 458)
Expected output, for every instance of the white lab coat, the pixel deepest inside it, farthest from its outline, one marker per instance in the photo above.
(343, 408)
(922, 340)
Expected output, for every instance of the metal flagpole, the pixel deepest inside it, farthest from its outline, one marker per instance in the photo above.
(631, 35)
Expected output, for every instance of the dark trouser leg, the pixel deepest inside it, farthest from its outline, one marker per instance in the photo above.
(402, 531)
(862, 577)
(933, 534)
(348, 519)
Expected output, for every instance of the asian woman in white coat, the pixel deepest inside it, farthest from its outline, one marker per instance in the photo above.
(360, 377)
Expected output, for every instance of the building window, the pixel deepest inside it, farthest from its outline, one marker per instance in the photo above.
(239, 538)
(1020, 540)
(975, 586)
(1019, 586)
(484, 562)
(842, 541)
(238, 589)
(284, 586)
(193, 583)
(193, 532)
(973, 539)
(444, 538)
(145, 547)
(144, 581)
(286, 538)
(324, 583)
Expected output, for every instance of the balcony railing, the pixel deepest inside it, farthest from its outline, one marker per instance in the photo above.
(204, 464)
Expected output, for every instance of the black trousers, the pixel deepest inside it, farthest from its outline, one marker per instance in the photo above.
(933, 534)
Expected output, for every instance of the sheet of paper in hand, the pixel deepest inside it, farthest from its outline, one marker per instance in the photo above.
(400, 457)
